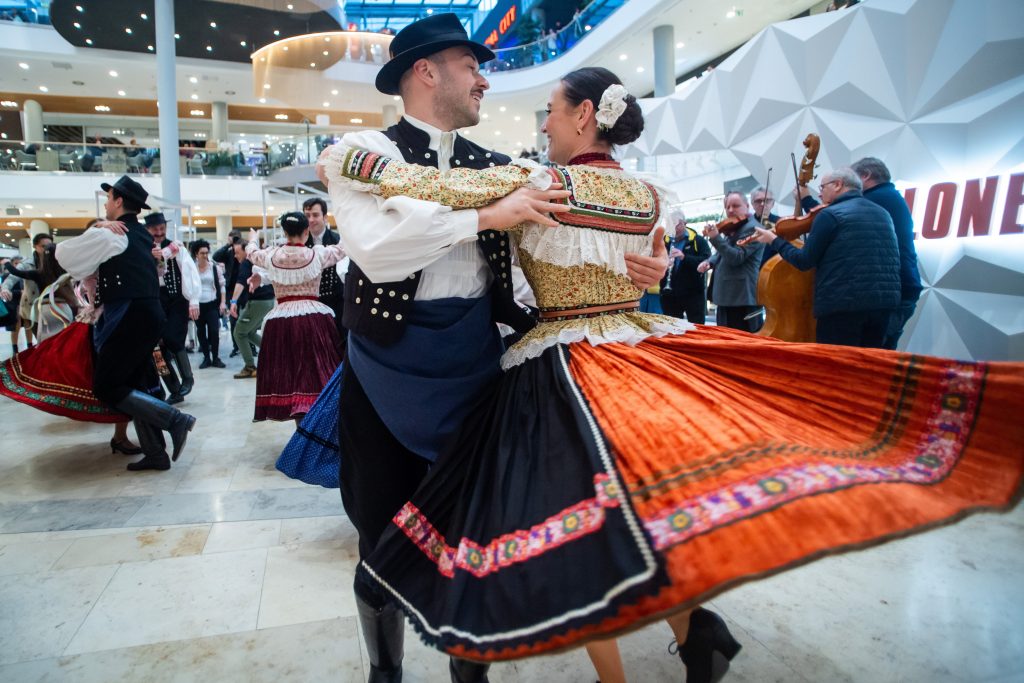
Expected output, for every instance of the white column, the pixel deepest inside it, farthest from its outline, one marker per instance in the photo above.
(219, 114)
(223, 228)
(32, 121)
(390, 115)
(167, 101)
(664, 61)
(38, 227)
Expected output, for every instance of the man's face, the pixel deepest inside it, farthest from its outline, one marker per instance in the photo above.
(736, 206)
(158, 232)
(239, 252)
(762, 204)
(680, 228)
(113, 206)
(315, 216)
(460, 89)
(830, 189)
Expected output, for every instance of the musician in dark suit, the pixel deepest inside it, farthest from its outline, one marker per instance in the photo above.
(120, 254)
(736, 268)
(683, 291)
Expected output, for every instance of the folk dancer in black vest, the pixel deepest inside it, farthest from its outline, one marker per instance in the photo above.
(424, 288)
(179, 298)
(332, 291)
(129, 326)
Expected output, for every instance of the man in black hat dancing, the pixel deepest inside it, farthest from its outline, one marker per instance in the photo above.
(422, 294)
(119, 254)
(179, 299)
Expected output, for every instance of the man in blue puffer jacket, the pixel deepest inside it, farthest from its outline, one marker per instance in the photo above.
(853, 245)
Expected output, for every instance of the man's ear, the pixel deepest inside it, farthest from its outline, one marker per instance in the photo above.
(425, 71)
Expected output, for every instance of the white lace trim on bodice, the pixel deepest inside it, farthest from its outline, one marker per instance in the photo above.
(294, 309)
(569, 246)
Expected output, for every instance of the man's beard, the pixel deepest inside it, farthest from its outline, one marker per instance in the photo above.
(454, 107)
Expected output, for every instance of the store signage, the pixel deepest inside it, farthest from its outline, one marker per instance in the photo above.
(493, 29)
(977, 207)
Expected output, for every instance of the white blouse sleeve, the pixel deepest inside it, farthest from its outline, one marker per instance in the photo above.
(394, 238)
(329, 255)
(82, 255)
(258, 257)
(191, 286)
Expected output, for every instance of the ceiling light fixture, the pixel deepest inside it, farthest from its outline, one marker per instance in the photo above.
(193, 79)
(281, 117)
(291, 7)
(209, 48)
(312, 65)
(639, 69)
(266, 86)
(127, 30)
(334, 92)
(396, 98)
(680, 45)
(77, 25)
(122, 93)
(23, 65)
(88, 41)
(213, 24)
(355, 120)
(623, 58)
(517, 118)
(197, 112)
(326, 53)
(194, 96)
(43, 88)
(9, 103)
(276, 32)
(242, 43)
(263, 100)
(79, 8)
(113, 74)
(101, 107)
(587, 27)
(501, 109)
(177, 36)
(145, 17)
(327, 104)
(497, 132)
(285, 48)
(149, 47)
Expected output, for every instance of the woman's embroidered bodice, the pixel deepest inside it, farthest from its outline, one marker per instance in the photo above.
(295, 273)
(577, 270)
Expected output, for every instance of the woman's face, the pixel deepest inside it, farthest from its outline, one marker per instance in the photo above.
(560, 126)
(203, 254)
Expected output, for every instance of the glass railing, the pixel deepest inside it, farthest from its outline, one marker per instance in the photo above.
(209, 160)
(25, 11)
(552, 44)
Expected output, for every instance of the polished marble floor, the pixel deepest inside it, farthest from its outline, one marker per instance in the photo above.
(223, 569)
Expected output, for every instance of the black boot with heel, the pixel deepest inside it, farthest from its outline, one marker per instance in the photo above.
(708, 649)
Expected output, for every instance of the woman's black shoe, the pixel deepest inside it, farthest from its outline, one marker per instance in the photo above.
(205, 364)
(218, 363)
(708, 649)
(124, 447)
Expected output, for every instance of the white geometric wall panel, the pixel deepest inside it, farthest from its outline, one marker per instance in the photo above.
(935, 88)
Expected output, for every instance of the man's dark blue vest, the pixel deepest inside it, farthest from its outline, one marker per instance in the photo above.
(132, 273)
(379, 310)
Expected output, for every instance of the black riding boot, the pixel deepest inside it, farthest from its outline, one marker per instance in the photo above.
(384, 633)
(185, 369)
(708, 649)
(465, 671)
(144, 408)
(151, 440)
(171, 379)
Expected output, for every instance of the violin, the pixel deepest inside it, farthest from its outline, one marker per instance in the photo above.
(726, 226)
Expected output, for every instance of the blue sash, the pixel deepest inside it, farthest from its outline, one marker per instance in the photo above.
(424, 386)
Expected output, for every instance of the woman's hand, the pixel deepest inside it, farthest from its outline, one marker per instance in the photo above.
(254, 236)
(647, 271)
(193, 312)
(116, 227)
(223, 308)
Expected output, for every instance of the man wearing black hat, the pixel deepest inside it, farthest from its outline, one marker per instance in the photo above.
(179, 298)
(126, 286)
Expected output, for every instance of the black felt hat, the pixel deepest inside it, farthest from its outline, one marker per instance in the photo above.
(126, 187)
(421, 39)
(154, 219)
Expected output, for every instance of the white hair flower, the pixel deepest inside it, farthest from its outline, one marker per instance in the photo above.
(613, 103)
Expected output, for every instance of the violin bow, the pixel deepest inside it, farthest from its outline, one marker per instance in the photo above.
(767, 190)
(799, 210)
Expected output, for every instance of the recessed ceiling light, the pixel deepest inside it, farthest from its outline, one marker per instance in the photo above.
(29, 206)
(197, 112)
(501, 108)
(88, 41)
(101, 107)
(241, 135)
(285, 48)
(112, 73)
(77, 25)
(517, 118)
(291, 7)
(43, 88)
(194, 96)
(193, 79)
(485, 116)
(263, 100)
(326, 53)
(623, 57)
(281, 117)
(122, 93)
(680, 45)
(23, 65)
(48, 215)
(177, 36)
(639, 69)
(266, 86)
(587, 27)
(327, 104)
(497, 132)
(144, 16)
(313, 64)
(355, 120)
(8, 103)
(242, 43)
(327, 39)
(213, 24)
(334, 92)
(430, 11)
(149, 47)
(79, 8)
(209, 48)
(127, 30)
(276, 32)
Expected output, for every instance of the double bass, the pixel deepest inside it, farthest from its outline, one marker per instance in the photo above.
(786, 292)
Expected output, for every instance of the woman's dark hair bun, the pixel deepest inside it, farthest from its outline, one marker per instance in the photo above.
(590, 83)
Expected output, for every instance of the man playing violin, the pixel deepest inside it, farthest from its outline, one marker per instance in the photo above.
(736, 265)
(852, 244)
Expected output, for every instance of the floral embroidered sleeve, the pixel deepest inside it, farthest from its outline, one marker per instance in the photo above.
(459, 188)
